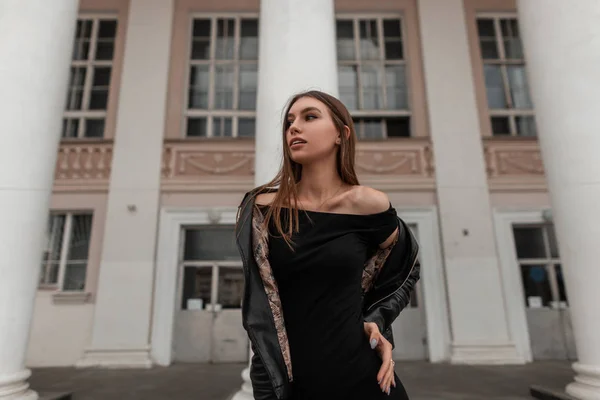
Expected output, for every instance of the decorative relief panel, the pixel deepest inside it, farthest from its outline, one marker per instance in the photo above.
(83, 165)
(396, 158)
(516, 162)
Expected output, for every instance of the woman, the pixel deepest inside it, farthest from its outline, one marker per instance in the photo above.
(328, 267)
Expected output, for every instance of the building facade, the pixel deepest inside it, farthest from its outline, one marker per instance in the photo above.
(168, 111)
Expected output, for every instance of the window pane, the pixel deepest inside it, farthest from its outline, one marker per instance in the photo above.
(494, 85)
(369, 41)
(398, 127)
(519, 89)
(196, 127)
(200, 49)
(49, 273)
(371, 87)
(198, 92)
(224, 41)
(248, 83)
(513, 48)
(94, 128)
(76, 83)
(345, 40)
(223, 87)
(222, 127)
(201, 39)
(83, 34)
(84, 29)
(500, 126)
(391, 28)
(98, 99)
(105, 50)
(394, 50)
(397, 91)
(231, 287)
(393, 40)
(487, 39)
(54, 236)
(75, 276)
(369, 128)
(348, 86)
(81, 230)
(107, 29)
(196, 285)
(201, 28)
(526, 126)
(562, 291)
(536, 286)
(210, 243)
(70, 127)
(246, 127)
(81, 49)
(249, 40)
(529, 242)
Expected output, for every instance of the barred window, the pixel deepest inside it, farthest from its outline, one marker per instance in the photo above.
(91, 69)
(510, 107)
(223, 74)
(372, 71)
(65, 257)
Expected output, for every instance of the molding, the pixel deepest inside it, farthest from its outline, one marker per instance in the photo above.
(165, 283)
(111, 358)
(433, 281)
(514, 296)
(71, 297)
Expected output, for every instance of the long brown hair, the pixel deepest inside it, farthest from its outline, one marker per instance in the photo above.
(290, 173)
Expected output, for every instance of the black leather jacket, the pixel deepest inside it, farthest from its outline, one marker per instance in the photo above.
(388, 293)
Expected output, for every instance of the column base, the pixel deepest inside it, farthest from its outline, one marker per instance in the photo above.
(486, 354)
(116, 358)
(587, 382)
(246, 392)
(15, 387)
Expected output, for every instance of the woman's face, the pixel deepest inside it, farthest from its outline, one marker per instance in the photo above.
(310, 134)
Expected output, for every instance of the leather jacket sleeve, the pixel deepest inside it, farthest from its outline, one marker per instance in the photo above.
(262, 387)
(401, 266)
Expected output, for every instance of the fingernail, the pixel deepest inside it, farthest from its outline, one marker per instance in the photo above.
(373, 343)
(388, 391)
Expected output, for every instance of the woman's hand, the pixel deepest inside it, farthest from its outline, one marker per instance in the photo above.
(385, 377)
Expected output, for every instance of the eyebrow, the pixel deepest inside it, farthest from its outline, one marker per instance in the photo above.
(304, 111)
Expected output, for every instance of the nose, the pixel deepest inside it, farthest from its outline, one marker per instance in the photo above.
(294, 129)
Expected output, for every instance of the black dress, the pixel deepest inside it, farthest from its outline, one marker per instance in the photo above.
(320, 289)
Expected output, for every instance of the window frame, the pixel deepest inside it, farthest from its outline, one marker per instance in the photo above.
(210, 113)
(510, 112)
(548, 262)
(90, 64)
(43, 282)
(382, 61)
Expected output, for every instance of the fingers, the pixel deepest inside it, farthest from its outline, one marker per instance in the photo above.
(388, 381)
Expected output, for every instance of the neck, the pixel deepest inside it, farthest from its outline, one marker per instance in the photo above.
(320, 181)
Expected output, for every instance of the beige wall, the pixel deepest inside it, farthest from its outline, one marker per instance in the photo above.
(59, 332)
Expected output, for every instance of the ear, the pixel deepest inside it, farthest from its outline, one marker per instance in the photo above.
(347, 131)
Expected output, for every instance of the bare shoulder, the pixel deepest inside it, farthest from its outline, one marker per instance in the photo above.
(366, 200)
(265, 199)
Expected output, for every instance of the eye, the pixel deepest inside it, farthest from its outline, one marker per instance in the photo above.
(310, 117)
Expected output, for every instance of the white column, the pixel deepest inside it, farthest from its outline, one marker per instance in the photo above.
(121, 330)
(36, 39)
(562, 47)
(297, 52)
(480, 331)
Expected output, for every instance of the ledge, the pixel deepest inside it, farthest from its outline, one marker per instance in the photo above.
(71, 297)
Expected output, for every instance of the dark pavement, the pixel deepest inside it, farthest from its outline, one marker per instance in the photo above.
(423, 381)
